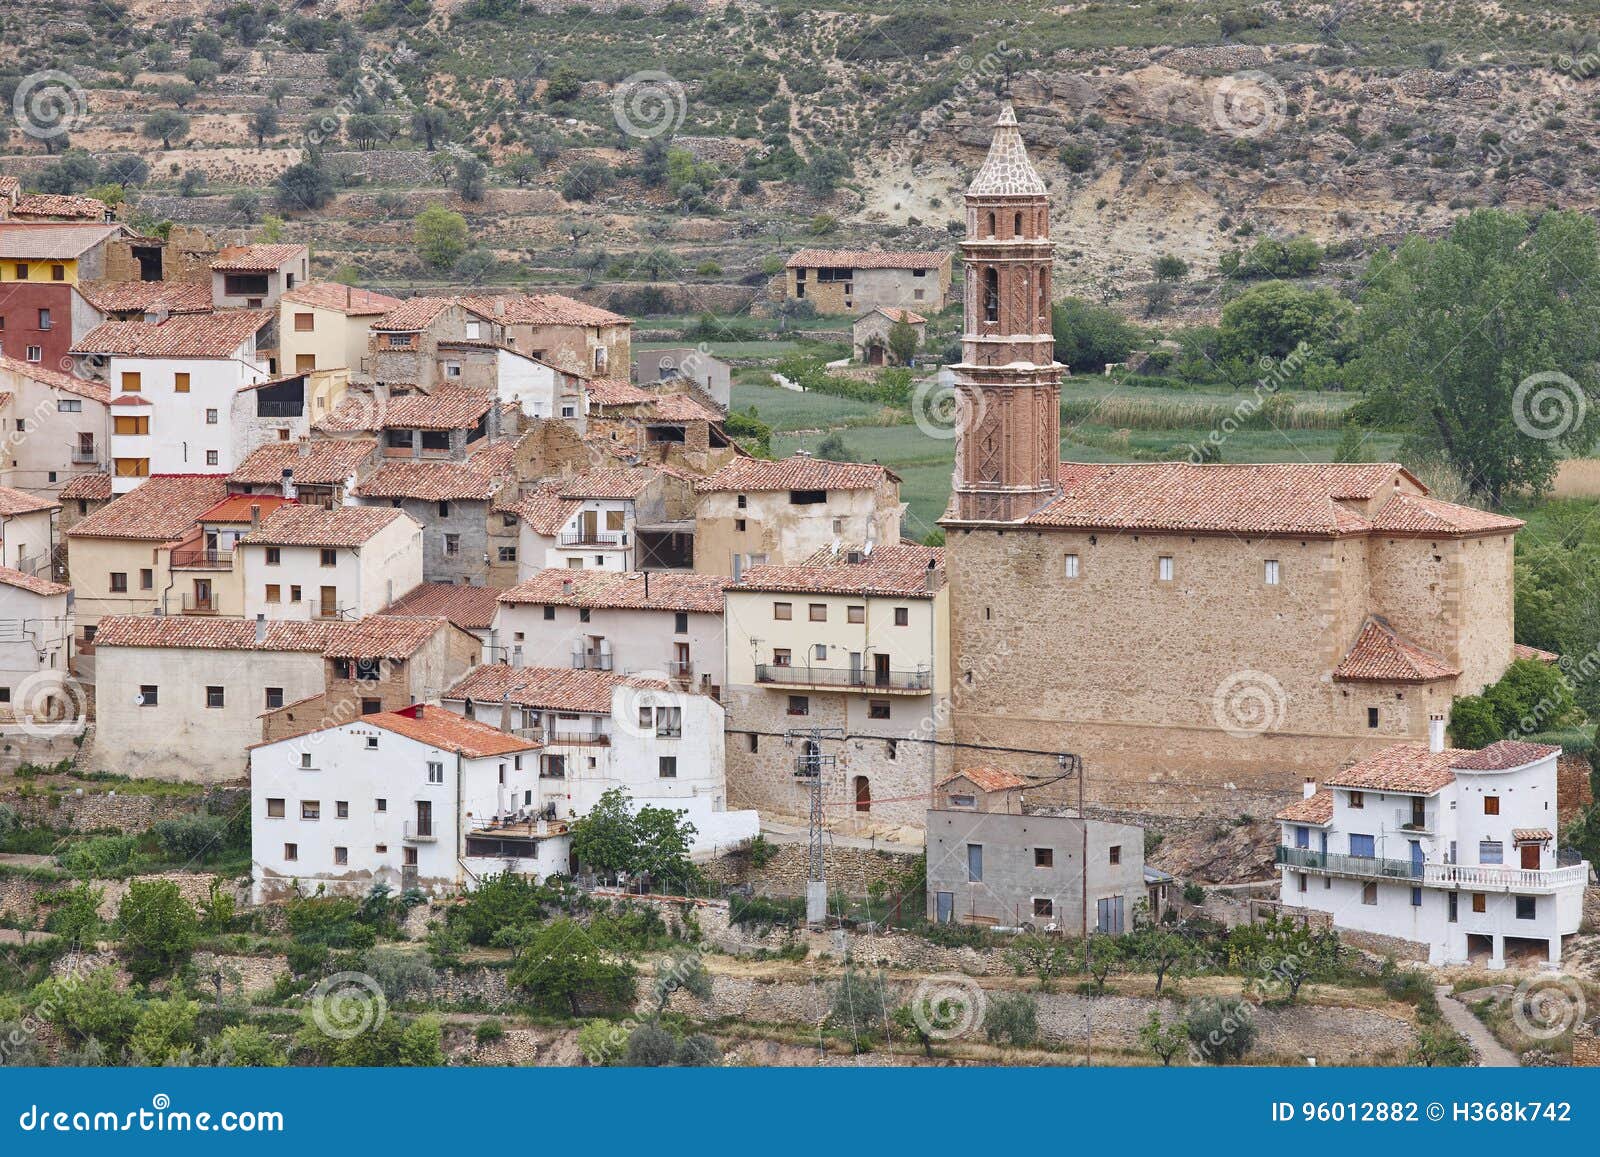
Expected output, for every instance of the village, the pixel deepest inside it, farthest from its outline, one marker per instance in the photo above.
(464, 622)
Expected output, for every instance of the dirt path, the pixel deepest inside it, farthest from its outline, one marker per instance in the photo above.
(1491, 1053)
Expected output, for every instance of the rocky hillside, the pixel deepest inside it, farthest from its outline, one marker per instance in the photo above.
(1164, 127)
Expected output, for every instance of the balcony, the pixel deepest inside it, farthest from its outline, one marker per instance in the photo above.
(593, 661)
(1479, 878)
(601, 538)
(201, 605)
(577, 739)
(889, 682)
(291, 409)
(680, 668)
(201, 558)
(420, 832)
(84, 455)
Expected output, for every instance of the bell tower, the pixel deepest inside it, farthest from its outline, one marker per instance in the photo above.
(1008, 445)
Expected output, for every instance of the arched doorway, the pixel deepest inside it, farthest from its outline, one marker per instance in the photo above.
(863, 794)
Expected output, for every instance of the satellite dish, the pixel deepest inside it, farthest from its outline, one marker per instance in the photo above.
(138, 700)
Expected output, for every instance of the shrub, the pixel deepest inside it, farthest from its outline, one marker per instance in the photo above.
(98, 856)
(489, 1031)
(1088, 336)
(1012, 1019)
(562, 971)
(165, 1028)
(192, 838)
(88, 1007)
(1474, 722)
(1219, 1031)
(399, 973)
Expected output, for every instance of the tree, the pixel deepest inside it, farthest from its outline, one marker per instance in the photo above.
(470, 179)
(245, 1046)
(1282, 954)
(304, 186)
(1219, 1032)
(246, 203)
(76, 918)
(165, 126)
(1274, 319)
(206, 46)
(522, 168)
(563, 84)
(430, 124)
(859, 1005)
(1483, 346)
(825, 169)
(685, 970)
(264, 123)
(1170, 267)
(613, 838)
(1045, 957)
(1531, 696)
(906, 1020)
(1012, 1019)
(165, 1028)
(586, 180)
(179, 92)
(366, 131)
(1163, 1040)
(1474, 723)
(391, 1042)
(1088, 336)
(1161, 949)
(902, 341)
(157, 927)
(1103, 954)
(88, 1007)
(562, 972)
(201, 72)
(192, 838)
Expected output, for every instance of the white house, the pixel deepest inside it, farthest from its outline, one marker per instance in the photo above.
(589, 521)
(27, 530)
(601, 731)
(172, 390)
(1451, 849)
(307, 562)
(57, 427)
(35, 637)
(391, 797)
(667, 624)
(253, 276)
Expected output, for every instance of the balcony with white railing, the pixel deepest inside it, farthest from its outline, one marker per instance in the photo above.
(818, 677)
(1433, 874)
(420, 832)
(605, 539)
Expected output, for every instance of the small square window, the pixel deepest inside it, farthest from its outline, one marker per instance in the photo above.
(147, 579)
(212, 458)
(119, 582)
(436, 772)
(274, 698)
(1114, 855)
(856, 614)
(819, 612)
(305, 760)
(680, 623)
(149, 695)
(1044, 857)
(667, 766)
(274, 555)
(291, 851)
(583, 614)
(330, 557)
(799, 705)
(310, 809)
(275, 809)
(1491, 805)
(783, 611)
(739, 525)
(1480, 902)
(1043, 906)
(341, 855)
(372, 741)
(1527, 908)
(381, 805)
(549, 614)
(902, 616)
(877, 709)
(781, 656)
(1369, 894)
(1358, 800)
(211, 417)
(215, 697)
(1372, 717)
(1164, 568)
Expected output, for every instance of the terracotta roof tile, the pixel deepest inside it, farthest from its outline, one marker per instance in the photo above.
(87, 487)
(1407, 768)
(1315, 809)
(449, 407)
(318, 462)
(621, 590)
(161, 508)
(147, 296)
(899, 571)
(866, 259)
(904, 315)
(12, 577)
(71, 383)
(346, 299)
(1415, 514)
(799, 472)
(417, 313)
(545, 511)
(14, 501)
(429, 481)
(382, 636)
(472, 608)
(1504, 755)
(542, 309)
(255, 258)
(987, 778)
(183, 335)
(237, 507)
(681, 408)
(60, 205)
(620, 482)
(614, 392)
(343, 526)
(1380, 655)
(1531, 835)
(30, 241)
(1521, 651)
(210, 634)
(440, 727)
(547, 688)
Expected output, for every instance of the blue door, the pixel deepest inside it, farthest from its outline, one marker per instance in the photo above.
(1302, 837)
(1416, 857)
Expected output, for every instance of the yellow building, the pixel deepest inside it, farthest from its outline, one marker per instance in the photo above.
(323, 325)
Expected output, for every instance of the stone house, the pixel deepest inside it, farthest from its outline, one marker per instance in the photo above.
(80, 498)
(322, 325)
(305, 562)
(710, 374)
(472, 608)
(992, 862)
(856, 642)
(317, 472)
(404, 348)
(672, 426)
(257, 276)
(618, 518)
(573, 336)
(537, 390)
(753, 512)
(869, 336)
(148, 301)
(857, 280)
(440, 425)
(280, 410)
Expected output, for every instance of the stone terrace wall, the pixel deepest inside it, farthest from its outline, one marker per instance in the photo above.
(850, 870)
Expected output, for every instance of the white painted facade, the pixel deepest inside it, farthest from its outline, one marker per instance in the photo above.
(35, 633)
(27, 539)
(625, 640)
(598, 536)
(52, 434)
(184, 430)
(1443, 869)
(345, 583)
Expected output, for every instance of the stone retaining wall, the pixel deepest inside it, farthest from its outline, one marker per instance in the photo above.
(850, 870)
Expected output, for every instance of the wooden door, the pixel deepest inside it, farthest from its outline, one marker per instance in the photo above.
(1530, 857)
(863, 794)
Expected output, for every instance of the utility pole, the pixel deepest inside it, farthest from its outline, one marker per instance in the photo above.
(808, 767)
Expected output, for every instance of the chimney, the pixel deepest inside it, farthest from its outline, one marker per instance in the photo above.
(646, 584)
(505, 710)
(1436, 733)
(304, 448)
(288, 483)
(261, 629)
(1309, 788)
(347, 297)
(566, 586)
(255, 516)
(738, 568)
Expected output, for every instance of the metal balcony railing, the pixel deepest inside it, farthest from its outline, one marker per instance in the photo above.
(1437, 875)
(201, 557)
(593, 661)
(592, 538)
(420, 831)
(680, 668)
(576, 738)
(810, 676)
(196, 605)
(293, 409)
(84, 455)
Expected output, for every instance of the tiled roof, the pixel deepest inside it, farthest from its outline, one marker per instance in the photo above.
(1380, 655)
(621, 590)
(161, 508)
(60, 205)
(382, 636)
(546, 688)
(620, 482)
(346, 526)
(615, 392)
(1408, 768)
(31, 583)
(71, 383)
(1522, 651)
(800, 472)
(865, 259)
(681, 408)
(545, 511)
(450, 407)
(346, 299)
(211, 634)
(1415, 514)
(1006, 171)
(1315, 809)
(415, 313)
(430, 481)
(183, 335)
(472, 608)
(131, 400)
(904, 315)
(9, 185)
(987, 778)
(147, 296)
(1531, 835)
(542, 309)
(1272, 498)
(440, 727)
(319, 462)
(238, 507)
(28, 241)
(899, 571)
(1505, 754)
(87, 487)
(255, 258)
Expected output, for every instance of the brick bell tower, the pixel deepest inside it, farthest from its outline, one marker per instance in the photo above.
(1008, 442)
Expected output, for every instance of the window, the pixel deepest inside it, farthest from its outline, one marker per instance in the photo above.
(1042, 857)
(783, 611)
(1527, 908)
(435, 771)
(1372, 717)
(807, 497)
(132, 382)
(212, 458)
(180, 383)
(1416, 897)
(755, 743)
(1364, 846)
(1491, 852)
(1452, 906)
(1270, 574)
(274, 809)
(215, 697)
(877, 709)
(1300, 881)
(1114, 854)
(799, 705)
(902, 616)
(44, 319)
(147, 579)
(781, 656)
(1369, 894)
(738, 525)
(452, 546)
(211, 417)
(1071, 568)
(381, 805)
(310, 809)
(1164, 568)
(372, 740)
(820, 652)
(1358, 800)
(291, 851)
(58, 272)
(1043, 906)
(274, 555)
(680, 623)
(69, 405)
(974, 863)
(341, 855)
(1491, 805)
(305, 760)
(330, 557)
(818, 612)
(305, 322)
(35, 353)
(1480, 902)
(669, 722)
(149, 695)
(444, 510)
(508, 554)
(274, 593)
(119, 582)
(130, 426)
(22, 272)
(667, 767)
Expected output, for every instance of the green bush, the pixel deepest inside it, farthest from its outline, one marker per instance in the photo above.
(1219, 1031)
(157, 928)
(192, 839)
(1012, 1019)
